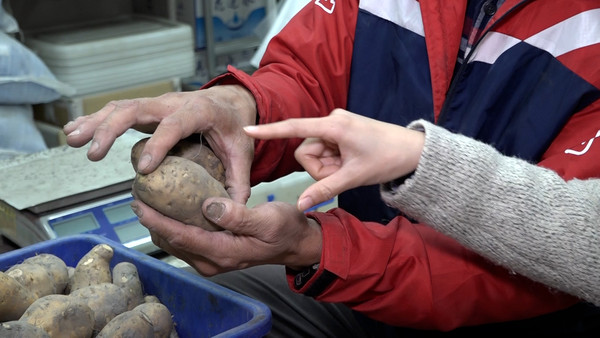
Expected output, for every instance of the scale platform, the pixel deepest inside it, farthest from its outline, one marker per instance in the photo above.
(59, 192)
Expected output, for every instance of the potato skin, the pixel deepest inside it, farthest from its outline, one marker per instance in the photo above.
(145, 320)
(93, 267)
(177, 189)
(106, 300)
(197, 152)
(154, 299)
(21, 329)
(43, 274)
(55, 265)
(61, 316)
(14, 298)
(34, 277)
(125, 275)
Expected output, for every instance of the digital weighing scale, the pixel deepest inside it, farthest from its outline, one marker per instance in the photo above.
(59, 192)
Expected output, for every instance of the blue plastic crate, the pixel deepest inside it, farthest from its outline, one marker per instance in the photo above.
(200, 308)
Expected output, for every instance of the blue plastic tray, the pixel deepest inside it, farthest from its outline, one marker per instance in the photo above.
(200, 308)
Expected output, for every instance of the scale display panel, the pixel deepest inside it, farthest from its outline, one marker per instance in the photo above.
(112, 218)
(75, 225)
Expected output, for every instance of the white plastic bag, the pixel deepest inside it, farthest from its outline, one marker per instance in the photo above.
(24, 78)
(18, 132)
(8, 23)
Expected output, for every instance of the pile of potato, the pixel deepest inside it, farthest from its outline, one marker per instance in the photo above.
(43, 297)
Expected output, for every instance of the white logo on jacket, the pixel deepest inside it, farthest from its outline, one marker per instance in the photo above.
(587, 146)
(326, 5)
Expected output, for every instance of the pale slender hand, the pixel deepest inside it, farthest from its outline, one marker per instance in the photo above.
(219, 113)
(270, 233)
(345, 150)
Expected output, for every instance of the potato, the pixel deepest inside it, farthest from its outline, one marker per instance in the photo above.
(93, 267)
(55, 265)
(14, 298)
(20, 329)
(125, 275)
(145, 320)
(177, 189)
(43, 274)
(34, 277)
(197, 152)
(106, 300)
(154, 299)
(61, 316)
(151, 299)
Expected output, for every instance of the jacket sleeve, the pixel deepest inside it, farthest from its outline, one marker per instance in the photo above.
(303, 73)
(416, 277)
(517, 214)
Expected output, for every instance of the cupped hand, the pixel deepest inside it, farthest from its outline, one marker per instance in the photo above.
(270, 233)
(346, 150)
(219, 113)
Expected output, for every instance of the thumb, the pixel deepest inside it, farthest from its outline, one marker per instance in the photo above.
(348, 176)
(319, 192)
(226, 213)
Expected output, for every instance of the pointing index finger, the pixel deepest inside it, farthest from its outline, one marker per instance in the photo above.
(301, 128)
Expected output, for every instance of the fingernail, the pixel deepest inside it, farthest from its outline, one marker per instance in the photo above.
(250, 128)
(74, 132)
(136, 210)
(94, 146)
(215, 210)
(305, 203)
(144, 161)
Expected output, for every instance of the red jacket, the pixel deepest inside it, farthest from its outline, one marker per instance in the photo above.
(407, 274)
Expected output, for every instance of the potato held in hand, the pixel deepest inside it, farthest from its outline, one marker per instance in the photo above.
(196, 152)
(177, 189)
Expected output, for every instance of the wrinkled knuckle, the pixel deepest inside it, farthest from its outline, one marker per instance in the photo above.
(123, 104)
(343, 120)
(112, 104)
(202, 100)
(81, 119)
(169, 95)
(337, 112)
(171, 121)
(178, 242)
(326, 192)
(174, 122)
(245, 195)
(199, 103)
(104, 128)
